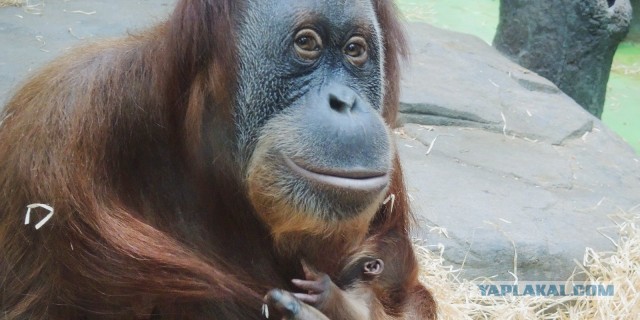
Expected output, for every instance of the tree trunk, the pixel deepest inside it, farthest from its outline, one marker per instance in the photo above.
(634, 33)
(570, 42)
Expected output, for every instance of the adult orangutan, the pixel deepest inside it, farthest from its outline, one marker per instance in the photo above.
(192, 168)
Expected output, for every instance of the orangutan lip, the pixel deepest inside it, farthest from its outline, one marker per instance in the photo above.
(365, 180)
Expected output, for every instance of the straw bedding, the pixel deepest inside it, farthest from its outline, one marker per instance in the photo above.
(461, 299)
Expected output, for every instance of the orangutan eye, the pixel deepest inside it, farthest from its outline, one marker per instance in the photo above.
(356, 51)
(308, 44)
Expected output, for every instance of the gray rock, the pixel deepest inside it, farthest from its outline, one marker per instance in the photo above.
(31, 37)
(470, 84)
(543, 188)
(571, 43)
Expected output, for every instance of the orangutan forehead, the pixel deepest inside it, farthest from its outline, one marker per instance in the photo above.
(338, 12)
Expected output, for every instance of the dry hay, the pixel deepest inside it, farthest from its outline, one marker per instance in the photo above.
(12, 3)
(461, 299)
(627, 69)
(34, 7)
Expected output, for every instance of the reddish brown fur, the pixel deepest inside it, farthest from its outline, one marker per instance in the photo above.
(114, 137)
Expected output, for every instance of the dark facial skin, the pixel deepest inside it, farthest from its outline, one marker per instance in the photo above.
(310, 133)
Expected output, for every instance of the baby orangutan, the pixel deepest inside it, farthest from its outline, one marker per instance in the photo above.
(324, 299)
